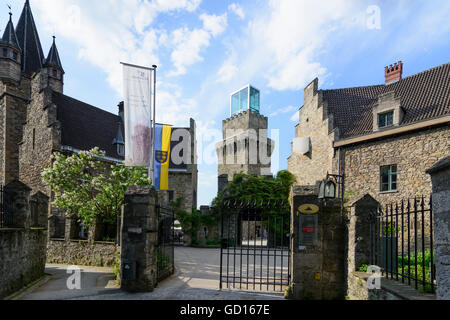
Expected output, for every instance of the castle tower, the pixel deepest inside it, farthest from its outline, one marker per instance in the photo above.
(10, 55)
(27, 34)
(245, 147)
(13, 103)
(53, 72)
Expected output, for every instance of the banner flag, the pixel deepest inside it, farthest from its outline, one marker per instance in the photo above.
(137, 106)
(163, 137)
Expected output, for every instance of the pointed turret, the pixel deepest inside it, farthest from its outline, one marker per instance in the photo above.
(10, 36)
(52, 73)
(28, 37)
(53, 57)
(10, 54)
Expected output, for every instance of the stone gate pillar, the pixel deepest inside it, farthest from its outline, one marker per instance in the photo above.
(18, 197)
(139, 237)
(318, 254)
(362, 213)
(440, 176)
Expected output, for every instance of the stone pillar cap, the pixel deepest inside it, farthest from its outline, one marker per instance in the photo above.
(137, 190)
(18, 185)
(439, 166)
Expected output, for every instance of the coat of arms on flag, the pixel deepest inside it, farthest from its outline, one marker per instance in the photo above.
(163, 135)
(161, 156)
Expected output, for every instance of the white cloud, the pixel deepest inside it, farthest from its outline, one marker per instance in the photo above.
(237, 9)
(226, 72)
(295, 117)
(284, 110)
(189, 43)
(284, 40)
(187, 48)
(214, 24)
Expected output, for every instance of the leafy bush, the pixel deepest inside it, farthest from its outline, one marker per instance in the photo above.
(116, 266)
(192, 221)
(87, 187)
(163, 261)
(257, 189)
(364, 268)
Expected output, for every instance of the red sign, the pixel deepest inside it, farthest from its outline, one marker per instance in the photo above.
(308, 230)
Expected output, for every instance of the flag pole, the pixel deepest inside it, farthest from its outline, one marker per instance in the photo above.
(154, 126)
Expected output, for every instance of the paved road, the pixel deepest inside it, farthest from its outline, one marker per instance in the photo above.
(93, 281)
(197, 278)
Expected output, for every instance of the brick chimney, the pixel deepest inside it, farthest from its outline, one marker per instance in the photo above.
(393, 73)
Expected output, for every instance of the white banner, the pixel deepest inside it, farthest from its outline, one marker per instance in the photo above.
(137, 103)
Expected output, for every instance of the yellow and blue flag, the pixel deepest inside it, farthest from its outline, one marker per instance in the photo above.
(163, 137)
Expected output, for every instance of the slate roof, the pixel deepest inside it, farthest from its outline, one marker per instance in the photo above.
(84, 126)
(10, 36)
(27, 34)
(53, 57)
(423, 96)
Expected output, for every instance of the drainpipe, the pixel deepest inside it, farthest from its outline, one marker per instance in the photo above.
(342, 178)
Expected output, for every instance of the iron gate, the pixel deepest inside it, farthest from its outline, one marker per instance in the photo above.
(255, 246)
(165, 250)
(401, 242)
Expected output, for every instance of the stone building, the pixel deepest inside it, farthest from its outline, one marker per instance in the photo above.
(37, 119)
(382, 137)
(245, 147)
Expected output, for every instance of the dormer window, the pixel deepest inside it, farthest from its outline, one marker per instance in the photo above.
(55, 73)
(386, 119)
(5, 52)
(387, 112)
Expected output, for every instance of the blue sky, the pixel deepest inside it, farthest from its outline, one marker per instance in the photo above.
(206, 49)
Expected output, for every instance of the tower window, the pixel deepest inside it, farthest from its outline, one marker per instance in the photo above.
(5, 52)
(34, 138)
(55, 73)
(15, 55)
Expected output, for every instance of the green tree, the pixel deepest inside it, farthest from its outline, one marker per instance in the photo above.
(86, 186)
(192, 221)
(246, 187)
(261, 191)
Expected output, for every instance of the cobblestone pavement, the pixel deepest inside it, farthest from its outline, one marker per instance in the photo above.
(196, 278)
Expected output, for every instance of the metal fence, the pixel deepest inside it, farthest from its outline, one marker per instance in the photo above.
(255, 246)
(401, 242)
(6, 216)
(165, 249)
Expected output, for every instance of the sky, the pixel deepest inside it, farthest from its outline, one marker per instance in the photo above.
(207, 49)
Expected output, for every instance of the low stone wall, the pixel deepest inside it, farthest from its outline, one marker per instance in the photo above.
(83, 253)
(22, 258)
(390, 289)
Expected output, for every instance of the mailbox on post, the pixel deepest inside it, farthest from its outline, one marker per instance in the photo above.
(129, 270)
(308, 222)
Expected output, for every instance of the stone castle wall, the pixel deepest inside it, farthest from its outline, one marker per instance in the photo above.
(41, 135)
(83, 253)
(12, 115)
(413, 154)
(22, 258)
(315, 124)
